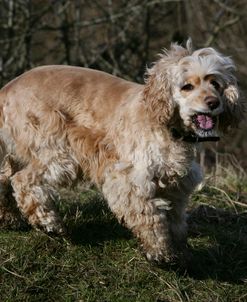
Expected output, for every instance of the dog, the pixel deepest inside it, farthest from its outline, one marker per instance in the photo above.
(135, 142)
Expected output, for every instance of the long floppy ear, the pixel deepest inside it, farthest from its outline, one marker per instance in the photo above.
(158, 96)
(234, 107)
(158, 84)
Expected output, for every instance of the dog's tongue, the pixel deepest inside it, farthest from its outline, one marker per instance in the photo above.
(205, 121)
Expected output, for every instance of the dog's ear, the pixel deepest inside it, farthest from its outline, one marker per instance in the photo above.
(158, 92)
(234, 107)
(158, 95)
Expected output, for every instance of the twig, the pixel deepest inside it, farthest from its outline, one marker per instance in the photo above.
(219, 28)
(13, 273)
(232, 202)
(230, 9)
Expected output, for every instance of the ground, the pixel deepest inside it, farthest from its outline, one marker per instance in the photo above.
(101, 261)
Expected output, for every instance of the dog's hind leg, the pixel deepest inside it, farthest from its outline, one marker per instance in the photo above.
(10, 216)
(35, 194)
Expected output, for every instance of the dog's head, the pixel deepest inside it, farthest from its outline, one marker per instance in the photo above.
(194, 93)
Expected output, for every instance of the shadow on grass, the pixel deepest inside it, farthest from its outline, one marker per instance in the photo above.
(97, 232)
(219, 245)
(218, 238)
(93, 223)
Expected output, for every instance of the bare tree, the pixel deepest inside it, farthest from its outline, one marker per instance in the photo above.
(119, 36)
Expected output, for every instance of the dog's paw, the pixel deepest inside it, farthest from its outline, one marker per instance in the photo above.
(166, 259)
(53, 230)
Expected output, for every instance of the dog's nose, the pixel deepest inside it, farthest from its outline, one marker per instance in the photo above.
(212, 102)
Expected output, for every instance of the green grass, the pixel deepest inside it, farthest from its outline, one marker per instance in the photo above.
(102, 261)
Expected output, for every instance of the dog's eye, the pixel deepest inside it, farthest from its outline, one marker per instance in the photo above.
(215, 84)
(187, 87)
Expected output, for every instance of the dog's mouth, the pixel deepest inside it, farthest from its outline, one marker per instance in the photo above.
(203, 129)
(204, 122)
(204, 126)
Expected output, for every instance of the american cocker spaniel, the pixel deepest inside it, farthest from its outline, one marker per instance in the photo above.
(60, 124)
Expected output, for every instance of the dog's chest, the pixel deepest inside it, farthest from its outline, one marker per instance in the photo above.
(168, 160)
(158, 158)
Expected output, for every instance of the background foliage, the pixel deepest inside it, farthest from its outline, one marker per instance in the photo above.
(101, 260)
(121, 37)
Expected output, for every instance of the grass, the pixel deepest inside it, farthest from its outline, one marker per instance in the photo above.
(102, 261)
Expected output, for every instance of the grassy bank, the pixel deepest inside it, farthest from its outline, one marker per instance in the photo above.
(102, 262)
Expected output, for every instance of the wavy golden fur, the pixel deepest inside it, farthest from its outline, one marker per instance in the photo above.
(60, 124)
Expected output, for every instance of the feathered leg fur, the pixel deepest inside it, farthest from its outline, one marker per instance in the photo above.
(143, 217)
(34, 190)
(10, 216)
(159, 222)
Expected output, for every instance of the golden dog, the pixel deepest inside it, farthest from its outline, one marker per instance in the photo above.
(60, 124)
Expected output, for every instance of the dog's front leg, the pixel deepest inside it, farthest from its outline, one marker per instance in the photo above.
(179, 194)
(144, 215)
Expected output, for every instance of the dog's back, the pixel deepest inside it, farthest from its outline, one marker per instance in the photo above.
(59, 86)
(47, 102)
